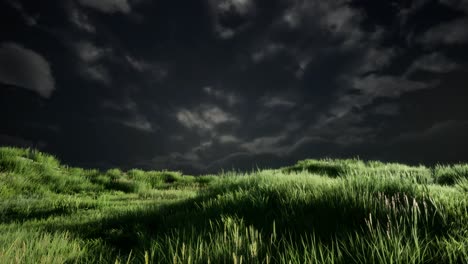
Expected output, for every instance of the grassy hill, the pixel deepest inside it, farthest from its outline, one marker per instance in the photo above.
(316, 211)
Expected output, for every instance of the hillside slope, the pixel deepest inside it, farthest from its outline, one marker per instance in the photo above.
(316, 211)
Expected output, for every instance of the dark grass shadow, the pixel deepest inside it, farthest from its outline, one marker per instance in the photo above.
(11, 215)
(330, 170)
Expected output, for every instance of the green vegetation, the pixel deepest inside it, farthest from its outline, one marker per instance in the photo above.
(317, 211)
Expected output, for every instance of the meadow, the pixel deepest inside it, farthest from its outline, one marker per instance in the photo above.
(316, 211)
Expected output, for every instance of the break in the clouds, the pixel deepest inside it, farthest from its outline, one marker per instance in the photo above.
(25, 68)
(220, 84)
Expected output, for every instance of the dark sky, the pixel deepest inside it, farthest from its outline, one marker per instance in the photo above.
(204, 85)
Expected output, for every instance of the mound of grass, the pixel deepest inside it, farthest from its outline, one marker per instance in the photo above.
(451, 174)
(350, 167)
(29, 172)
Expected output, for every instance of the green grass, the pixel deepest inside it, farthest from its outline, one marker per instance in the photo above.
(316, 211)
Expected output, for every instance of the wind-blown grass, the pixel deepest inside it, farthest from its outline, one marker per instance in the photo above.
(317, 211)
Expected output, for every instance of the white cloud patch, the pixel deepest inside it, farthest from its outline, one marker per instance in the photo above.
(94, 61)
(270, 144)
(228, 97)
(225, 33)
(291, 18)
(97, 73)
(88, 52)
(136, 64)
(226, 139)
(277, 102)
(91, 65)
(375, 86)
(434, 62)
(157, 71)
(25, 68)
(81, 20)
(108, 6)
(140, 122)
(204, 118)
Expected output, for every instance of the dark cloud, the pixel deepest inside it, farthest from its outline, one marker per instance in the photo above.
(30, 20)
(7, 140)
(446, 136)
(387, 109)
(25, 68)
(128, 114)
(437, 130)
(453, 32)
(457, 4)
(108, 6)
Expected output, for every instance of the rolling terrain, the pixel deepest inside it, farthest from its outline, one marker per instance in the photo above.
(316, 211)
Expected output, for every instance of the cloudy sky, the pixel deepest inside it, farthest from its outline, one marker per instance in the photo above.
(205, 85)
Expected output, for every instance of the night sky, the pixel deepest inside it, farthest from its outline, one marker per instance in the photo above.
(205, 85)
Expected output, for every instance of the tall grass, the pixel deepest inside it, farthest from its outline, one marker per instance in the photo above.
(317, 211)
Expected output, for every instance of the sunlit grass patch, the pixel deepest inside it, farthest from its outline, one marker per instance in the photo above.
(37, 247)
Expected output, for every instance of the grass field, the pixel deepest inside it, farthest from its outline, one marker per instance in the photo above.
(317, 211)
